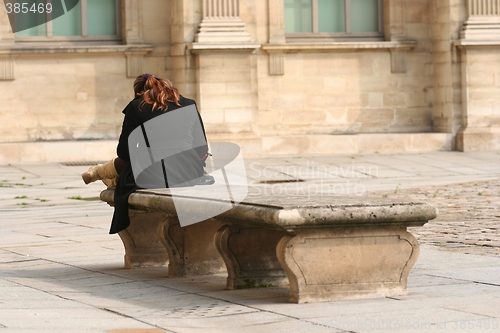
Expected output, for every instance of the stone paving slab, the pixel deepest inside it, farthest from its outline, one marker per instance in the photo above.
(60, 271)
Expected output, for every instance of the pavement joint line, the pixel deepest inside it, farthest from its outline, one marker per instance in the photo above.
(487, 284)
(130, 317)
(16, 261)
(469, 312)
(464, 280)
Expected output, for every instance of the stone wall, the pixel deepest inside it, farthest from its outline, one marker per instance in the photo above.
(419, 89)
(446, 22)
(345, 93)
(353, 89)
(63, 98)
(77, 92)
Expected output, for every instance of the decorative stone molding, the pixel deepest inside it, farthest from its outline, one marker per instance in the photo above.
(276, 64)
(462, 44)
(398, 61)
(483, 22)
(221, 23)
(134, 54)
(51, 48)
(134, 63)
(339, 47)
(6, 69)
(198, 48)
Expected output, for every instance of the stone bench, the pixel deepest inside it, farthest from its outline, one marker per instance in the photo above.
(325, 247)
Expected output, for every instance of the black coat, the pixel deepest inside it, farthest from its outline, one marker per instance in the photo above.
(187, 165)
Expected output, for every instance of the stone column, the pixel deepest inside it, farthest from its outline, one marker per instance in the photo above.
(6, 38)
(447, 18)
(480, 65)
(132, 35)
(394, 20)
(184, 18)
(221, 23)
(394, 27)
(276, 36)
(225, 71)
(132, 22)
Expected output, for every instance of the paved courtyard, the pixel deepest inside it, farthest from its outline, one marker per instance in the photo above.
(61, 271)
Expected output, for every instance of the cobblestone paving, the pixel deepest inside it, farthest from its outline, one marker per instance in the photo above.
(468, 220)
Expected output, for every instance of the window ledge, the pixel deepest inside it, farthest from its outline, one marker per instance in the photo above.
(133, 52)
(397, 49)
(233, 47)
(460, 43)
(339, 46)
(45, 48)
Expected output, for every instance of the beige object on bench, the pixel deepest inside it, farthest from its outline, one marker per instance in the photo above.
(326, 247)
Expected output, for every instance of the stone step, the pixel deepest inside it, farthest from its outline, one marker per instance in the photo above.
(250, 144)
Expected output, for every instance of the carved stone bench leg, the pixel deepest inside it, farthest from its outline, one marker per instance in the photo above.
(143, 241)
(191, 249)
(250, 256)
(328, 265)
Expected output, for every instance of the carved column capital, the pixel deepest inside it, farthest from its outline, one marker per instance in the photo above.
(221, 23)
(483, 22)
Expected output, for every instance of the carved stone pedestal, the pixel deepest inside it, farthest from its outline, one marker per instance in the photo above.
(250, 256)
(191, 249)
(156, 239)
(143, 241)
(329, 265)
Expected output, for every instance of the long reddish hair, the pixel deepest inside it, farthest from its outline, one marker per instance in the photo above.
(156, 91)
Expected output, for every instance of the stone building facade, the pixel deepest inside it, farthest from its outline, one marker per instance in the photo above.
(276, 77)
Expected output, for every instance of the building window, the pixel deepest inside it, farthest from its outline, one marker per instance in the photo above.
(88, 20)
(356, 19)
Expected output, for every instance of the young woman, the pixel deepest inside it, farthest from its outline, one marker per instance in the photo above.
(154, 97)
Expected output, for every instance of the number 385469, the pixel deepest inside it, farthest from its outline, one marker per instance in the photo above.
(25, 8)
